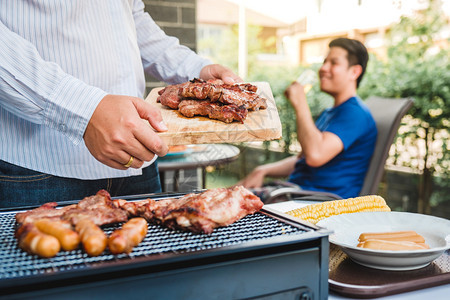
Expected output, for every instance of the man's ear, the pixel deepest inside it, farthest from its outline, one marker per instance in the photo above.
(356, 71)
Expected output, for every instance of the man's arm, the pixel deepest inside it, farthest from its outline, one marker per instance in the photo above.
(40, 91)
(317, 147)
(282, 168)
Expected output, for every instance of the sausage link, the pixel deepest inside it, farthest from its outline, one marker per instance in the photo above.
(392, 245)
(130, 235)
(93, 238)
(32, 240)
(62, 230)
(409, 236)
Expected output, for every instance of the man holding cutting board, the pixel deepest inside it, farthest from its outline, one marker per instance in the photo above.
(71, 88)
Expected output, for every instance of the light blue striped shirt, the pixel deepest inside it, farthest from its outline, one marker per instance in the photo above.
(58, 59)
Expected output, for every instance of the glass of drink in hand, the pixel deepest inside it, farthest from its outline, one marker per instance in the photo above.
(307, 78)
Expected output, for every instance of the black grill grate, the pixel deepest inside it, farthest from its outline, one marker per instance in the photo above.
(15, 263)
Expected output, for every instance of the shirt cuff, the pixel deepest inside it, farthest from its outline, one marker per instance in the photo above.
(70, 107)
(198, 66)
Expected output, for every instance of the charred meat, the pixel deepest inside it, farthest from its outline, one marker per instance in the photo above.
(99, 208)
(224, 113)
(218, 100)
(216, 91)
(202, 213)
(169, 96)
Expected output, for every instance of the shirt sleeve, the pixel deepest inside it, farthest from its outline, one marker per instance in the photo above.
(40, 91)
(163, 57)
(349, 125)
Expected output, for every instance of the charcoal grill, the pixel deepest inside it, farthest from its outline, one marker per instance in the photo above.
(266, 255)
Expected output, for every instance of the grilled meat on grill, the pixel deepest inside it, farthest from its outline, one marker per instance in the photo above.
(205, 211)
(34, 241)
(43, 230)
(133, 209)
(47, 210)
(93, 238)
(123, 240)
(86, 216)
(99, 208)
(224, 113)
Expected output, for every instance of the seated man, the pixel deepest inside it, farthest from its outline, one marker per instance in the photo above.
(336, 149)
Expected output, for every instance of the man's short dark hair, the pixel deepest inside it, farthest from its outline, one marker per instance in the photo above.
(357, 53)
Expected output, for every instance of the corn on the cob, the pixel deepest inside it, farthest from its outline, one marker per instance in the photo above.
(315, 212)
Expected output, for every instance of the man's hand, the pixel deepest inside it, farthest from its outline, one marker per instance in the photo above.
(278, 169)
(219, 72)
(253, 180)
(295, 92)
(116, 132)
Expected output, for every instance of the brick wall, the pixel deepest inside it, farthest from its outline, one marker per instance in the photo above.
(177, 18)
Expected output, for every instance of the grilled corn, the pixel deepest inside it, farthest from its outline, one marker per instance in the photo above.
(315, 212)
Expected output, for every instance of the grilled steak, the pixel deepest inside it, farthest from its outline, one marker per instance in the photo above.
(169, 96)
(205, 211)
(238, 94)
(219, 101)
(247, 99)
(224, 113)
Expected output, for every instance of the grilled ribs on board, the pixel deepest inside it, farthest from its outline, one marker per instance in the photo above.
(219, 100)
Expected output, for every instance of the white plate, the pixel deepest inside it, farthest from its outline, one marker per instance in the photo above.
(348, 227)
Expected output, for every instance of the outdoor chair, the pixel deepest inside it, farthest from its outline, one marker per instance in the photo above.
(387, 113)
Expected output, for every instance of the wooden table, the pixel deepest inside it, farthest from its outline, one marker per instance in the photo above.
(198, 156)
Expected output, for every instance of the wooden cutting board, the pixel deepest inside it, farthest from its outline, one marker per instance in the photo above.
(262, 125)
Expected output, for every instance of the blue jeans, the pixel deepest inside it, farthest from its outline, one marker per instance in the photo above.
(23, 187)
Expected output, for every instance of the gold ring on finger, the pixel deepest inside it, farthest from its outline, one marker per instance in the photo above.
(130, 161)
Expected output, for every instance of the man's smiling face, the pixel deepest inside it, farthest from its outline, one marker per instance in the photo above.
(335, 73)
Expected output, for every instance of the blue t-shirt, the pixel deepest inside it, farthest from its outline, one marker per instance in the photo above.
(344, 175)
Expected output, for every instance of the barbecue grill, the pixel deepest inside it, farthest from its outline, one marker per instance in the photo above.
(267, 255)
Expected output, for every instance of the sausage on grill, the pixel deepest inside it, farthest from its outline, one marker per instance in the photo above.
(62, 230)
(130, 235)
(33, 241)
(92, 237)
